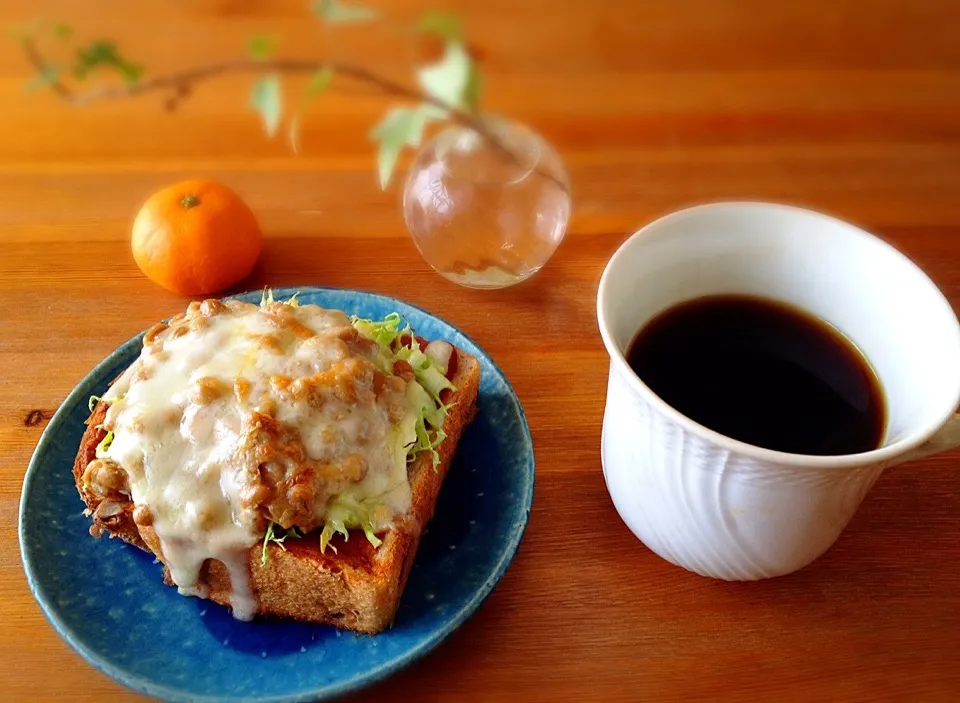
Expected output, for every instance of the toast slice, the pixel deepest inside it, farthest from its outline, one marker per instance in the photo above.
(357, 587)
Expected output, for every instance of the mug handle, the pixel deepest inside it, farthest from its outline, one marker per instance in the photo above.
(944, 439)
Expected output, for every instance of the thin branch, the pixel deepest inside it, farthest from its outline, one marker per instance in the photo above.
(30, 49)
(181, 83)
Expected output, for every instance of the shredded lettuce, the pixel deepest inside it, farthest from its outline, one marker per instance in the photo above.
(427, 373)
(426, 444)
(331, 527)
(421, 429)
(345, 513)
(371, 536)
(104, 445)
(424, 393)
(272, 536)
(384, 332)
(266, 298)
(267, 538)
(94, 399)
(428, 423)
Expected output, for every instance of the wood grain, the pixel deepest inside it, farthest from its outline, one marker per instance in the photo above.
(847, 106)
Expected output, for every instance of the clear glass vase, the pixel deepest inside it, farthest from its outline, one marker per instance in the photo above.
(487, 211)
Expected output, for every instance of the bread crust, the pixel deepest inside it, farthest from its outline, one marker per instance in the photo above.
(357, 587)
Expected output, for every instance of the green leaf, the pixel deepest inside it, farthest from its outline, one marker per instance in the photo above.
(319, 82)
(265, 99)
(44, 79)
(474, 88)
(336, 12)
(130, 72)
(293, 133)
(447, 79)
(104, 53)
(442, 24)
(402, 126)
(261, 47)
(62, 30)
(99, 53)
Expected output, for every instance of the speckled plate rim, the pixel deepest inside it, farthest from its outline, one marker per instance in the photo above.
(81, 393)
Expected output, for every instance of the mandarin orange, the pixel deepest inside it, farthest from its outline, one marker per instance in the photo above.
(196, 237)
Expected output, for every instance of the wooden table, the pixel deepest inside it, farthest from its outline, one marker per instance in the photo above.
(849, 106)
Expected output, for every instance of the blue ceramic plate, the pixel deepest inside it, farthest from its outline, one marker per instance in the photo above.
(107, 600)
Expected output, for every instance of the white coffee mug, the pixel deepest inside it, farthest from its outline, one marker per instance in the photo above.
(730, 510)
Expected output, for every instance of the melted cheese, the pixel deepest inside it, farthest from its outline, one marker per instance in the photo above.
(226, 395)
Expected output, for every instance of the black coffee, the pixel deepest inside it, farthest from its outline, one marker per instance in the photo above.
(763, 373)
